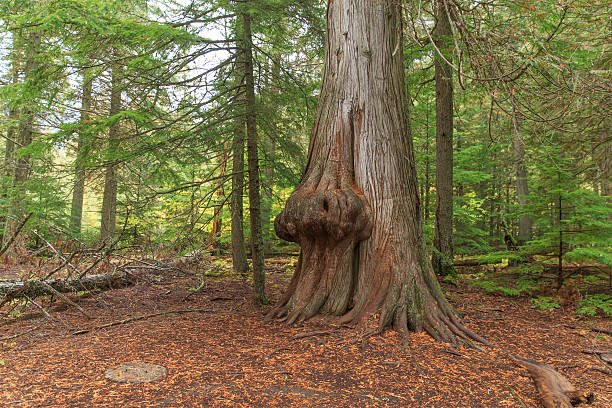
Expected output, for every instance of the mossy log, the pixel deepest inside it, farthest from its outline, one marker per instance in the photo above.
(32, 289)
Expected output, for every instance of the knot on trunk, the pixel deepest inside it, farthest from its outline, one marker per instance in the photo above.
(336, 214)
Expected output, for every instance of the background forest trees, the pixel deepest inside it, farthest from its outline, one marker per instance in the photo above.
(147, 106)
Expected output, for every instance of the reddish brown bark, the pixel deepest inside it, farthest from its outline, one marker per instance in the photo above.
(356, 213)
(442, 258)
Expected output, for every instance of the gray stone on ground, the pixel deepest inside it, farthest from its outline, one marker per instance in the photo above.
(135, 372)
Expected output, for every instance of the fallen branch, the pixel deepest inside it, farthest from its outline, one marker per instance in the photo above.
(35, 288)
(65, 299)
(587, 351)
(604, 331)
(57, 253)
(42, 309)
(554, 389)
(474, 262)
(137, 318)
(17, 231)
(310, 334)
(14, 336)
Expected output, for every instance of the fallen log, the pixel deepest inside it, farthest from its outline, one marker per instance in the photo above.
(473, 262)
(554, 389)
(34, 288)
(604, 331)
(137, 318)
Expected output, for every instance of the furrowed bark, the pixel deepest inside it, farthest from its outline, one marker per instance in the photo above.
(443, 239)
(109, 200)
(522, 188)
(356, 213)
(268, 171)
(239, 256)
(257, 247)
(78, 192)
(7, 170)
(21, 168)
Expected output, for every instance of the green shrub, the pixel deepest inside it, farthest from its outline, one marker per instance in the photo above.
(545, 303)
(591, 304)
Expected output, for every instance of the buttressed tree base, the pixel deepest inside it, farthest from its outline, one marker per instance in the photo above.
(356, 212)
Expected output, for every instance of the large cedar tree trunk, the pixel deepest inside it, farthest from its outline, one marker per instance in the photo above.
(356, 213)
(78, 192)
(443, 234)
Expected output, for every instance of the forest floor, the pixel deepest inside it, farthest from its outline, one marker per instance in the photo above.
(225, 355)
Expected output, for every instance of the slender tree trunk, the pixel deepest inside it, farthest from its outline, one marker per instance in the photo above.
(605, 165)
(595, 172)
(78, 192)
(239, 256)
(522, 190)
(443, 240)
(257, 247)
(427, 165)
(109, 199)
(560, 221)
(216, 222)
(9, 165)
(26, 122)
(268, 171)
(356, 213)
(459, 147)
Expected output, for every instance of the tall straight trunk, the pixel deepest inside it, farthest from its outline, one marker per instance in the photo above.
(459, 147)
(605, 165)
(443, 239)
(427, 165)
(595, 172)
(9, 165)
(268, 171)
(560, 223)
(216, 221)
(78, 192)
(522, 189)
(109, 199)
(21, 166)
(356, 214)
(257, 247)
(239, 256)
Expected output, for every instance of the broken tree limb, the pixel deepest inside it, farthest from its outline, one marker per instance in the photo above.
(137, 318)
(17, 231)
(57, 253)
(604, 331)
(473, 262)
(14, 336)
(35, 288)
(65, 299)
(555, 390)
(311, 334)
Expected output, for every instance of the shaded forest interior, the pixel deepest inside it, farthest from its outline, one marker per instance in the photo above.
(343, 173)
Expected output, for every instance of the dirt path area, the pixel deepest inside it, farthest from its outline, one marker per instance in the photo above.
(226, 356)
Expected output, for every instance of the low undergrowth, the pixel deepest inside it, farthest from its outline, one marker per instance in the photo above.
(586, 292)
